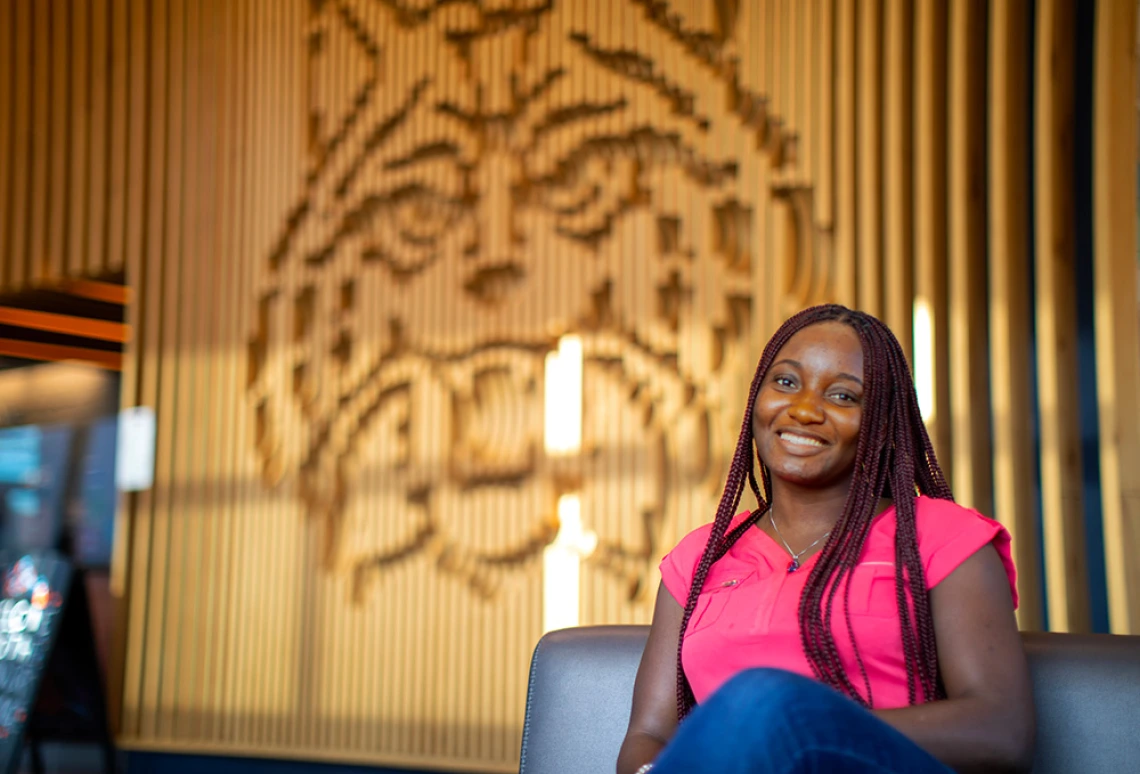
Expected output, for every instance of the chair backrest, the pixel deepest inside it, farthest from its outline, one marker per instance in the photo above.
(1086, 688)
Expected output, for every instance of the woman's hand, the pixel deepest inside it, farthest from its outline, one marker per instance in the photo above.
(653, 718)
(987, 721)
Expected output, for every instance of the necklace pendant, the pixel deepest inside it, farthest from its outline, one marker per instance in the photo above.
(793, 565)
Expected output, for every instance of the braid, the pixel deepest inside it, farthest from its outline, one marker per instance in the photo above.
(894, 457)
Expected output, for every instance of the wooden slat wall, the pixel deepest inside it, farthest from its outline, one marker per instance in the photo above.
(1056, 303)
(969, 372)
(931, 216)
(347, 279)
(1116, 140)
(1011, 337)
(58, 178)
(899, 170)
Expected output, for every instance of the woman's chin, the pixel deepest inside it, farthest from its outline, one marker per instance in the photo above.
(808, 477)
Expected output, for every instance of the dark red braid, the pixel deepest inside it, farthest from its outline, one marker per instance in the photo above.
(894, 458)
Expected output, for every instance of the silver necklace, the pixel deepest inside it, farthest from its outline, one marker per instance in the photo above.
(795, 563)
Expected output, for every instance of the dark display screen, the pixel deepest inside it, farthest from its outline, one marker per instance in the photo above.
(32, 597)
(92, 512)
(34, 465)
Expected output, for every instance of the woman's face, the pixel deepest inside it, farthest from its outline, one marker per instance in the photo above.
(810, 406)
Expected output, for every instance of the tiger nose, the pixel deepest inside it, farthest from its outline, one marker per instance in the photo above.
(495, 272)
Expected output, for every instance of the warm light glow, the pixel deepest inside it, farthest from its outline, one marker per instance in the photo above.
(563, 430)
(924, 357)
(561, 566)
(562, 559)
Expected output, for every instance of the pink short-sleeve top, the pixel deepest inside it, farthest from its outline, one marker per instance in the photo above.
(748, 613)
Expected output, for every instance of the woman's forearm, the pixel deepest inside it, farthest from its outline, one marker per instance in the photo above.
(637, 750)
(968, 734)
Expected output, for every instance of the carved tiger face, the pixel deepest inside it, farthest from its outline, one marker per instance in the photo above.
(481, 179)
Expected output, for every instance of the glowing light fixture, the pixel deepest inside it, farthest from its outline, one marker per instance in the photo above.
(562, 564)
(563, 415)
(924, 357)
(562, 559)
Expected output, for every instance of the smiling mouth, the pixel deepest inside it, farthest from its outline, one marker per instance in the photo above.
(802, 441)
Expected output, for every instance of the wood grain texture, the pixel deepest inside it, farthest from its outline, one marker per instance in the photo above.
(869, 155)
(969, 313)
(931, 219)
(1011, 323)
(1056, 304)
(352, 235)
(1116, 141)
(898, 170)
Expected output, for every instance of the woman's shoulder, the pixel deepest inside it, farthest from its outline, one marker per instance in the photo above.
(939, 522)
(949, 533)
(678, 566)
(936, 518)
(693, 544)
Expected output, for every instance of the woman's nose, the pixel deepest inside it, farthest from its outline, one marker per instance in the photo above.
(806, 409)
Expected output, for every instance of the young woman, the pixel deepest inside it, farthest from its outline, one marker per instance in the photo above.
(858, 620)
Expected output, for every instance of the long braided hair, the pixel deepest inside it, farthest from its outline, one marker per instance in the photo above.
(893, 456)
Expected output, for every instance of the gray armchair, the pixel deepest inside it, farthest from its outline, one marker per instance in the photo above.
(1086, 687)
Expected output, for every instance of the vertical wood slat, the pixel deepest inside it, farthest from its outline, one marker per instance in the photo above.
(192, 427)
(118, 148)
(81, 133)
(287, 544)
(353, 666)
(96, 245)
(1061, 476)
(967, 210)
(772, 215)
(7, 134)
(250, 697)
(1118, 370)
(149, 567)
(807, 45)
(824, 174)
(869, 159)
(227, 715)
(33, 262)
(782, 234)
(167, 563)
(930, 223)
(846, 224)
(56, 221)
(898, 171)
(126, 587)
(14, 264)
(504, 686)
(1015, 489)
(229, 288)
(246, 676)
(176, 507)
(209, 389)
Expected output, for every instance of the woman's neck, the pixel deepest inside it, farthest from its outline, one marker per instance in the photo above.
(811, 510)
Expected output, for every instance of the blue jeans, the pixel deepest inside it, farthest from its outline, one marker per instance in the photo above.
(768, 721)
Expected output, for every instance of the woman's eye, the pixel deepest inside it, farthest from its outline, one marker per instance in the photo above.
(784, 381)
(845, 397)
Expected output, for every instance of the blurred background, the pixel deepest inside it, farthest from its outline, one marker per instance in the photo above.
(446, 311)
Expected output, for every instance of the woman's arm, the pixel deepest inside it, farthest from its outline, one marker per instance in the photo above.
(653, 718)
(987, 721)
